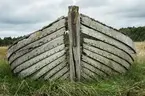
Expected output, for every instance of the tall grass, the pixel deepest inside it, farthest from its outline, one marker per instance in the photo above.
(140, 48)
(130, 84)
(3, 52)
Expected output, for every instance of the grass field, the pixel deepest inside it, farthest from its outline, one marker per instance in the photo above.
(140, 48)
(3, 52)
(130, 84)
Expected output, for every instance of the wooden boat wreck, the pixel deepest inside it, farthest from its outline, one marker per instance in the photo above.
(75, 47)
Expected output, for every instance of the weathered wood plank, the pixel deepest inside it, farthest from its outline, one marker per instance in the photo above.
(88, 75)
(39, 51)
(107, 62)
(38, 58)
(95, 70)
(64, 76)
(99, 65)
(107, 30)
(109, 48)
(36, 36)
(62, 72)
(39, 65)
(106, 39)
(57, 71)
(120, 62)
(37, 44)
(74, 43)
(49, 67)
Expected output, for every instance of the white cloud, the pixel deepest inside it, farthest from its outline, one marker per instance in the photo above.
(20, 17)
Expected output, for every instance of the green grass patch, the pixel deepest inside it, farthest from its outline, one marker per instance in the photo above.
(130, 84)
(3, 52)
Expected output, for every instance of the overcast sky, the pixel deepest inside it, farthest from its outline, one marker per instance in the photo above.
(21, 17)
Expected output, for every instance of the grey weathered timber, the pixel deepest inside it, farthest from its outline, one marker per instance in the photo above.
(111, 63)
(37, 44)
(37, 35)
(105, 38)
(74, 43)
(38, 58)
(93, 69)
(30, 70)
(38, 52)
(50, 67)
(100, 65)
(63, 69)
(73, 48)
(110, 49)
(102, 28)
(115, 61)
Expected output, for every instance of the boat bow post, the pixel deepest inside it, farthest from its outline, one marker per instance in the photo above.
(74, 43)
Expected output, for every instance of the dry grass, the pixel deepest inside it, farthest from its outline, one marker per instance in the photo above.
(140, 48)
(3, 52)
(130, 84)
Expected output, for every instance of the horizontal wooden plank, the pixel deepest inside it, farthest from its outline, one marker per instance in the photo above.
(86, 76)
(38, 58)
(107, 30)
(106, 39)
(36, 36)
(111, 64)
(41, 64)
(36, 44)
(64, 76)
(109, 48)
(99, 65)
(35, 53)
(92, 68)
(49, 67)
(120, 62)
(57, 71)
(61, 74)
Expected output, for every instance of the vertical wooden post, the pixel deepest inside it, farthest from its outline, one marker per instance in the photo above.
(74, 41)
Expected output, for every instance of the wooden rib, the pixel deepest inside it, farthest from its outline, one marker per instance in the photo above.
(56, 72)
(107, 31)
(30, 70)
(108, 48)
(64, 76)
(61, 74)
(27, 65)
(26, 36)
(111, 64)
(36, 44)
(120, 62)
(36, 36)
(87, 74)
(94, 69)
(40, 51)
(106, 39)
(100, 65)
(49, 67)
(36, 60)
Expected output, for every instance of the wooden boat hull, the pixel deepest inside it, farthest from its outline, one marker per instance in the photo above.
(42, 54)
(46, 53)
(105, 50)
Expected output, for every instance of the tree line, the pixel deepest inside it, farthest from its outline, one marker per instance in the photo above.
(6, 41)
(135, 33)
